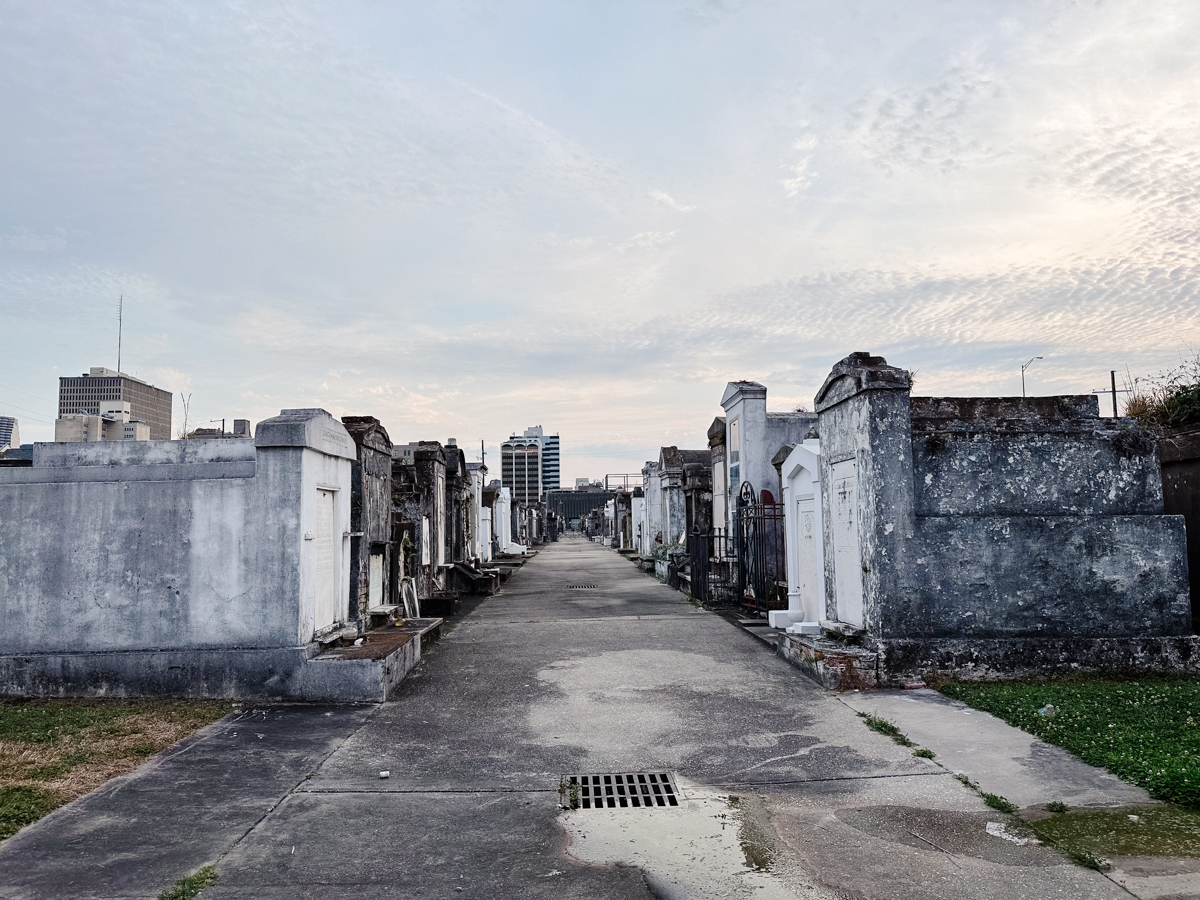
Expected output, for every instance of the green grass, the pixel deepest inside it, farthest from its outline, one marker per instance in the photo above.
(1144, 729)
(995, 801)
(189, 887)
(884, 727)
(22, 804)
(54, 750)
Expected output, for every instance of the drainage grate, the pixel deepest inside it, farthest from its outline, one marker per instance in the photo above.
(582, 587)
(636, 789)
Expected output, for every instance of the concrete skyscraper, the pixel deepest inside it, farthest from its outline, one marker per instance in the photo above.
(83, 395)
(10, 434)
(529, 464)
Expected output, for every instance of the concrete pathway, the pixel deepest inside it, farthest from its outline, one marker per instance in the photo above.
(785, 792)
(1001, 759)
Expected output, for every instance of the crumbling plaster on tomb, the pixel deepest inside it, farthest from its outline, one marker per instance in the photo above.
(997, 518)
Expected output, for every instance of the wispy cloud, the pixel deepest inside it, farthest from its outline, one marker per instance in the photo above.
(467, 219)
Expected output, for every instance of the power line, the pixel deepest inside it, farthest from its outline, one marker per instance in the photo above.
(30, 416)
(26, 393)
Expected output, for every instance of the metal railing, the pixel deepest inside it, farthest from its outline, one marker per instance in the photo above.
(761, 553)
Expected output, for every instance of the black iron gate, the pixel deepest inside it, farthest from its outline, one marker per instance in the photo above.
(700, 550)
(760, 550)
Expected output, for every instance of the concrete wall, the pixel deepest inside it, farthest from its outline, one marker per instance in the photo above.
(984, 456)
(173, 546)
(991, 519)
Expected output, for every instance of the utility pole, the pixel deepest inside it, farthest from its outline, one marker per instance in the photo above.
(1112, 374)
(120, 327)
(1023, 368)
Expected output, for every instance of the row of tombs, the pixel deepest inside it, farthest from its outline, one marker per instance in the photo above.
(971, 537)
(308, 563)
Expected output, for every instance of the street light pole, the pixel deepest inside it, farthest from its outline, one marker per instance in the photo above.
(1023, 368)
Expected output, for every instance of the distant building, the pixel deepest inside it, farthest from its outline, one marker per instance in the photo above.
(10, 434)
(241, 429)
(571, 506)
(521, 468)
(530, 464)
(113, 423)
(82, 396)
(550, 472)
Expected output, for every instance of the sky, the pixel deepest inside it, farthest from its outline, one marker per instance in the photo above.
(466, 218)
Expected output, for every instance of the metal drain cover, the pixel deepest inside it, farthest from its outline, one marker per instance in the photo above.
(582, 587)
(612, 791)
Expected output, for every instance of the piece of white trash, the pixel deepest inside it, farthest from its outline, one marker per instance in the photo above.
(385, 774)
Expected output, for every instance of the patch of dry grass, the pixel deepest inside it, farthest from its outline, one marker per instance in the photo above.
(56, 750)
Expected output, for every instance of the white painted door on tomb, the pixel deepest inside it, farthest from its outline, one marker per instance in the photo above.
(375, 585)
(325, 554)
(847, 555)
(808, 578)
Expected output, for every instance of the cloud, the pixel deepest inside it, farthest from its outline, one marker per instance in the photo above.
(467, 221)
(172, 380)
(667, 200)
(25, 241)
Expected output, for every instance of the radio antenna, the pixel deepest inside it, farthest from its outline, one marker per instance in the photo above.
(120, 326)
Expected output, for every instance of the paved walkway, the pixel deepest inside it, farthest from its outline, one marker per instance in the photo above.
(786, 793)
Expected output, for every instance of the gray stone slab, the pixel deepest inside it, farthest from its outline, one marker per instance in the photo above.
(1004, 760)
(416, 845)
(921, 839)
(137, 834)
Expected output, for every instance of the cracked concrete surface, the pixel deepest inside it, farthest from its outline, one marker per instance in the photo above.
(529, 685)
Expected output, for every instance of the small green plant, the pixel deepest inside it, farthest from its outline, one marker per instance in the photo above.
(995, 801)
(884, 727)
(188, 887)
(574, 795)
(1057, 807)
(924, 753)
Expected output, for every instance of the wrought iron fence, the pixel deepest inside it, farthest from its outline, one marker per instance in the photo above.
(710, 560)
(761, 551)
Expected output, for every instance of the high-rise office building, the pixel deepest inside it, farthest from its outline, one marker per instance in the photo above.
(550, 472)
(521, 468)
(84, 394)
(529, 464)
(10, 434)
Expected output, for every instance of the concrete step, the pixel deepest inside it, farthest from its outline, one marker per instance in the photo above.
(371, 670)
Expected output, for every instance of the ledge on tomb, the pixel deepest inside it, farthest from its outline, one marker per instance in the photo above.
(370, 670)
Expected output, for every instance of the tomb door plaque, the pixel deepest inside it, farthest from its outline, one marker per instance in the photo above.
(325, 548)
(847, 555)
(375, 585)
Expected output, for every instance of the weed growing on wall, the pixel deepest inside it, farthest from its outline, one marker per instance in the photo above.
(1169, 398)
(1144, 729)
